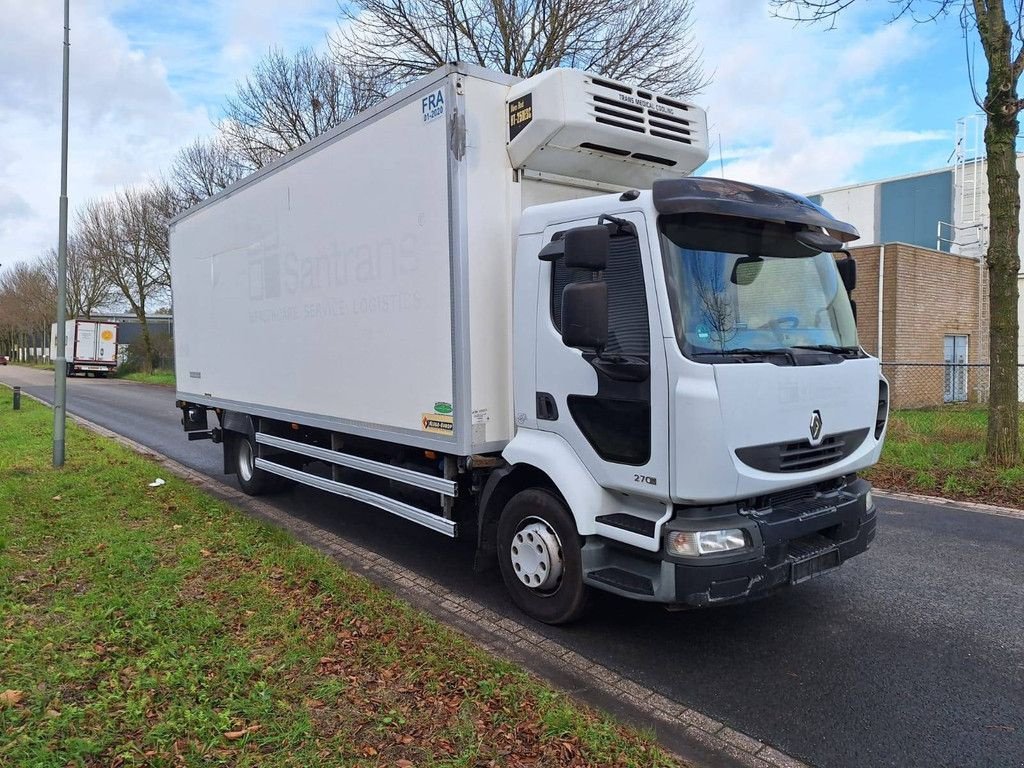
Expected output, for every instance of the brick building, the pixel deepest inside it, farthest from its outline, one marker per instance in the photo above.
(934, 321)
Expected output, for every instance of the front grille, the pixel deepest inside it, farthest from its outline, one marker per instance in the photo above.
(801, 456)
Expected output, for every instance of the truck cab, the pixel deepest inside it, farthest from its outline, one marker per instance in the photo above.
(690, 355)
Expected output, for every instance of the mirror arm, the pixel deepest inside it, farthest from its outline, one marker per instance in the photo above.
(621, 224)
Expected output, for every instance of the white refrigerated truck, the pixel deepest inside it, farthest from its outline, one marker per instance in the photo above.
(90, 346)
(502, 308)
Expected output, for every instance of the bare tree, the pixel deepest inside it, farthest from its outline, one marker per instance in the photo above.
(157, 205)
(648, 42)
(28, 301)
(203, 168)
(88, 289)
(289, 100)
(1002, 41)
(117, 234)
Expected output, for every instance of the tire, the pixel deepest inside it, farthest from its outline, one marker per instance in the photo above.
(538, 542)
(253, 481)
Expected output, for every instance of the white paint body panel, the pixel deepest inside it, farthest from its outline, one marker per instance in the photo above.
(325, 288)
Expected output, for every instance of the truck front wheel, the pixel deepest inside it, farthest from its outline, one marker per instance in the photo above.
(539, 556)
(253, 481)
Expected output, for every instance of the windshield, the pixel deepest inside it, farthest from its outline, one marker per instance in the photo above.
(745, 287)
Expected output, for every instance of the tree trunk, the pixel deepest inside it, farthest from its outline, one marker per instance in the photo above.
(147, 345)
(1001, 104)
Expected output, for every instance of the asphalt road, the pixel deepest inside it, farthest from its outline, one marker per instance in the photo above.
(910, 655)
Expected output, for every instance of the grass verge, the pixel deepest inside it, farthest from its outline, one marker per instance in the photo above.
(941, 452)
(162, 377)
(160, 627)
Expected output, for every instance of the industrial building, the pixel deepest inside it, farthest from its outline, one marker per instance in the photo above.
(922, 292)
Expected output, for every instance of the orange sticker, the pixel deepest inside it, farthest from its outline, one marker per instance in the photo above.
(107, 335)
(441, 423)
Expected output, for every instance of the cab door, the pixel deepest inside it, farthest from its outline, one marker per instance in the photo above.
(612, 407)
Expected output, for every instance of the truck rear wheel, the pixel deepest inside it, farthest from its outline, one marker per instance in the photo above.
(540, 559)
(253, 481)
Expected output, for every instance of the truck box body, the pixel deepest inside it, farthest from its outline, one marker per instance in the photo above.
(364, 283)
(90, 346)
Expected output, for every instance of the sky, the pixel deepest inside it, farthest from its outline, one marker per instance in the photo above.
(797, 107)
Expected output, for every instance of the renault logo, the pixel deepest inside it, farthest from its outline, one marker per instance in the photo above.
(816, 428)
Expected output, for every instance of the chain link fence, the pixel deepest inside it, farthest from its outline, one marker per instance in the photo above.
(132, 356)
(941, 385)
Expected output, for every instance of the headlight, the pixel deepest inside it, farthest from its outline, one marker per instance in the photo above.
(694, 543)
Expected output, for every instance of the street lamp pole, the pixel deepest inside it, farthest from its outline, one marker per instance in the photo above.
(60, 372)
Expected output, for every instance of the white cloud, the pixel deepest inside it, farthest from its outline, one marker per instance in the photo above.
(125, 122)
(802, 107)
(146, 78)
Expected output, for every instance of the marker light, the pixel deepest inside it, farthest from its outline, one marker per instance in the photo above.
(693, 543)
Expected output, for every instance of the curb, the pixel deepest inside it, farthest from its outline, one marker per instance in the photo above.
(692, 735)
(969, 506)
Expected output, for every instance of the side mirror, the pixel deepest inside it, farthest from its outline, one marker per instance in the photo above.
(587, 248)
(848, 272)
(585, 315)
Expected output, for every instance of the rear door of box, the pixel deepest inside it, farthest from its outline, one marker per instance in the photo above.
(85, 341)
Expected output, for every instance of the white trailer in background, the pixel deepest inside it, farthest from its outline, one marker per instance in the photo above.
(500, 308)
(91, 346)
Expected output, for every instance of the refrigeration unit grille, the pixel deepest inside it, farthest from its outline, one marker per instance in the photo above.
(641, 113)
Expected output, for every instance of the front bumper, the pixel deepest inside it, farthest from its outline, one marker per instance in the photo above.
(794, 536)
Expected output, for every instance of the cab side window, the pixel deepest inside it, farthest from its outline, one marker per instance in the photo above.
(628, 328)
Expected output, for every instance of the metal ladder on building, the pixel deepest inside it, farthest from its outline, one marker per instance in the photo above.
(967, 234)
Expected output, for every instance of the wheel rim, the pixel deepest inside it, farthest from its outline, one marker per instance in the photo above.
(536, 555)
(245, 463)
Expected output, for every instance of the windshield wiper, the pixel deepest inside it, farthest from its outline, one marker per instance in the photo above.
(828, 348)
(749, 352)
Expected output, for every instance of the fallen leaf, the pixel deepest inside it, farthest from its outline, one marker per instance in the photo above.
(403, 763)
(9, 698)
(235, 735)
(176, 527)
(57, 497)
(52, 713)
(369, 751)
(205, 552)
